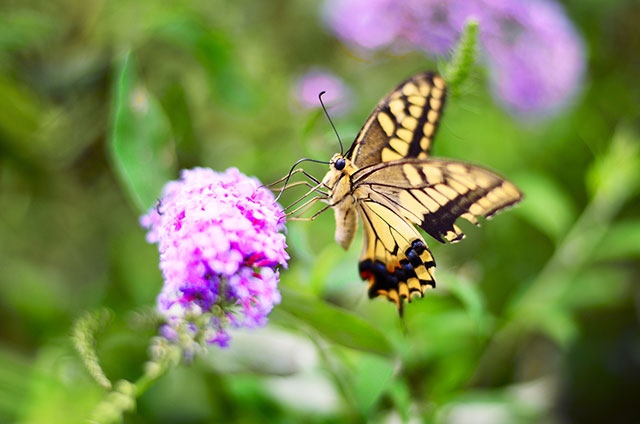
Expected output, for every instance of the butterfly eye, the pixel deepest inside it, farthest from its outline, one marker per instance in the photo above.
(340, 163)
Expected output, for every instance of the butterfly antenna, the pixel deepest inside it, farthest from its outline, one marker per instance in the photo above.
(330, 121)
(291, 171)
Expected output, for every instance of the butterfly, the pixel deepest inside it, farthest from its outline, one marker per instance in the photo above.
(388, 180)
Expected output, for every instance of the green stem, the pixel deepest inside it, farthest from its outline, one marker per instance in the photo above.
(337, 376)
(83, 335)
(532, 309)
(125, 394)
(457, 70)
(164, 356)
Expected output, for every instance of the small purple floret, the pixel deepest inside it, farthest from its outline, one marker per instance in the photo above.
(315, 81)
(220, 241)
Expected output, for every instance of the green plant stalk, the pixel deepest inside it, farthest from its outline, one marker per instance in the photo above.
(84, 331)
(457, 70)
(336, 375)
(123, 398)
(579, 245)
(532, 308)
(153, 372)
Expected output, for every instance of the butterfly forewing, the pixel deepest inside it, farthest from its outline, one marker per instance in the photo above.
(403, 124)
(433, 193)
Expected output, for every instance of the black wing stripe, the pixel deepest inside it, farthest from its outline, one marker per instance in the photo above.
(403, 124)
(442, 220)
(414, 148)
(434, 194)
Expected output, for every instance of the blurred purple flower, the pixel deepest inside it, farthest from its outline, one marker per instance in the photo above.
(368, 23)
(429, 25)
(534, 53)
(535, 56)
(219, 242)
(313, 83)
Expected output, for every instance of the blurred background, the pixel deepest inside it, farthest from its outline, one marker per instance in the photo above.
(535, 318)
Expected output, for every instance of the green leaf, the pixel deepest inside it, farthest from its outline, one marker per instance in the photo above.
(510, 405)
(546, 205)
(597, 287)
(24, 28)
(14, 383)
(400, 395)
(181, 396)
(622, 241)
(560, 325)
(175, 103)
(309, 125)
(140, 141)
(37, 293)
(298, 241)
(59, 391)
(20, 111)
(134, 268)
(372, 377)
(216, 52)
(335, 324)
(471, 297)
(615, 174)
(326, 263)
(443, 334)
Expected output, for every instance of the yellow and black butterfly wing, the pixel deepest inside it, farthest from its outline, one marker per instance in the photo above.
(403, 124)
(395, 260)
(434, 193)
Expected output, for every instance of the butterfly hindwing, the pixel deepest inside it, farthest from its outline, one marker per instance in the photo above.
(395, 259)
(433, 194)
(403, 124)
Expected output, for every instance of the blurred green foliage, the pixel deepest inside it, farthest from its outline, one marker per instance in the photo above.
(535, 317)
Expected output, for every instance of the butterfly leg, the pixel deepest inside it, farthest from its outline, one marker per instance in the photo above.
(299, 183)
(311, 218)
(311, 191)
(306, 205)
(311, 177)
(299, 170)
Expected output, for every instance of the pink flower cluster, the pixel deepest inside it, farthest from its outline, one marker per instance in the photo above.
(220, 243)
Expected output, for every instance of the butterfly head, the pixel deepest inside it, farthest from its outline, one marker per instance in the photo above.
(341, 164)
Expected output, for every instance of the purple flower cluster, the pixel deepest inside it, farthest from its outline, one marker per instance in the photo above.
(534, 54)
(315, 81)
(220, 243)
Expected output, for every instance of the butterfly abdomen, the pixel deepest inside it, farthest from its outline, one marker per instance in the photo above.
(346, 223)
(340, 197)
